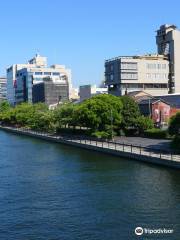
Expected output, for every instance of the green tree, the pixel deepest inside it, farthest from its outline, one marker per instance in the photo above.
(8, 116)
(130, 113)
(99, 112)
(4, 106)
(24, 112)
(144, 123)
(64, 115)
(42, 118)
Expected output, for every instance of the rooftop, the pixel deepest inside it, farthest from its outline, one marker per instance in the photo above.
(146, 56)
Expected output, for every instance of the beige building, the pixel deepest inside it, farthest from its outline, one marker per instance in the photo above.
(157, 74)
(135, 73)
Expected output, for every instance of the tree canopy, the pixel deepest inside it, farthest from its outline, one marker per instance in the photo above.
(130, 112)
(100, 112)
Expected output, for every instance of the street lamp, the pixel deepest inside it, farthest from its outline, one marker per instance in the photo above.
(111, 124)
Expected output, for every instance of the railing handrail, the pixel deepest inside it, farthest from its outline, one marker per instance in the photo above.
(89, 141)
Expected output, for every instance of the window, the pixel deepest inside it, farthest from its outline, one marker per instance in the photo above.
(127, 76)
(163, 66)
(128, 65)
(111, 67)
(151, 66)
(38, 73)
(159, 66)
(56, 73)
(47, 73)
(111, 77)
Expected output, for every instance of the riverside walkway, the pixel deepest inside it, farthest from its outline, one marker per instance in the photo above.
(159, 156)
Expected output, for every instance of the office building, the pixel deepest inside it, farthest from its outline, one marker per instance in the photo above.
(3, 89)
(156, 74)
(148, 72)
(31, 82)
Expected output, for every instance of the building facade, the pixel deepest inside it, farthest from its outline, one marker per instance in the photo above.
(156, 74)
(148, 73)
(27, 82)
(3, 89)
(168, 44)
(87, 91)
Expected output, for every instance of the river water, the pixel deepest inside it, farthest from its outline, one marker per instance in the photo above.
(50, 191)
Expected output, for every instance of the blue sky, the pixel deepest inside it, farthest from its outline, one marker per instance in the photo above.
(81, 34)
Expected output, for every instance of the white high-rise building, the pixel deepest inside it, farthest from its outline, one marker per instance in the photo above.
(28, 82)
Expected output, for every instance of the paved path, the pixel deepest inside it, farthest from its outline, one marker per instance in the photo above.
(161, 144)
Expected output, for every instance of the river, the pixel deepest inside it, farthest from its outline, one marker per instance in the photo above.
(49, 191)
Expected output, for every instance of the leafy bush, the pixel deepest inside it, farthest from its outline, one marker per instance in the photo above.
(102, 135)
(144, 123)
(156, 133)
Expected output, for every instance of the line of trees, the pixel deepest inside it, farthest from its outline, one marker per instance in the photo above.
(102, 116)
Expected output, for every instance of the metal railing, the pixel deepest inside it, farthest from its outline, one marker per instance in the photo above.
(106, 144)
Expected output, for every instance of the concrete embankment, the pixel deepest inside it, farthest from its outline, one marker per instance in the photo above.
(124, 151)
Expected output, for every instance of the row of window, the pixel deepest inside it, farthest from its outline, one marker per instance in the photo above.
(131, 76)
(128, 65)
(137, 85)
(157, 76)
(47, 73)
(42, 73)
(156, 66)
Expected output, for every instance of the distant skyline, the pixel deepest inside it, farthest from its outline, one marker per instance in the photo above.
(81, 34)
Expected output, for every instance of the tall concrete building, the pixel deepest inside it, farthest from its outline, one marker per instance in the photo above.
(168, 44)
(28, 82)
(157, 74)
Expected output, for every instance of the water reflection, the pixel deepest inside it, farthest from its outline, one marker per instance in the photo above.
(51, 191)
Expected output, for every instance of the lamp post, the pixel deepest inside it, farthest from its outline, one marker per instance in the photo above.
(111, 124)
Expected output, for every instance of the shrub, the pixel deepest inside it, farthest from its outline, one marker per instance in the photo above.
(102, 135)
(144, 123)
(156, 133)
